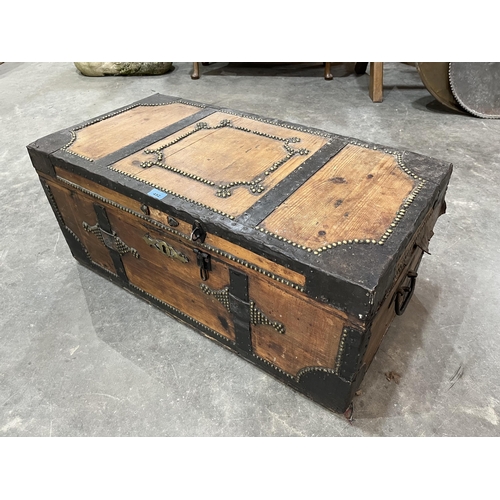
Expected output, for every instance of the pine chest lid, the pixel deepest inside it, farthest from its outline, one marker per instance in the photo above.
(312, 200)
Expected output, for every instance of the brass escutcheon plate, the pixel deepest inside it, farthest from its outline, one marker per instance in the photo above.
(165, 248)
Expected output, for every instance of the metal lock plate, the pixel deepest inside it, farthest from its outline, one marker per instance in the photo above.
(204, 263)
(165, 248)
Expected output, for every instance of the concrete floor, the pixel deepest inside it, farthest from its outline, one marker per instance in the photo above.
(81, 357)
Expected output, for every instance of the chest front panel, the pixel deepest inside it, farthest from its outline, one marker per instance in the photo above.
(284, 328)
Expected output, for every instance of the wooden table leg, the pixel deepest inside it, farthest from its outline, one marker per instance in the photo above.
(377, 81)
(328, 71)
(196, 71)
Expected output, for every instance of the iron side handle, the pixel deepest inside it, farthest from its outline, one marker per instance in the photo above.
(404, 294)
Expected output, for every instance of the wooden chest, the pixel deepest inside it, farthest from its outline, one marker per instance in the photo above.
(293, 247)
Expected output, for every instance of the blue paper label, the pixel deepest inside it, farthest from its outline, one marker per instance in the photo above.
(156, 193)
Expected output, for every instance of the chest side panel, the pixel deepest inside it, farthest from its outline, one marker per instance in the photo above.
(409, 261)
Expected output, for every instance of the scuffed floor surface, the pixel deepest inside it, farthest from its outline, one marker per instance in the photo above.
(81, 357)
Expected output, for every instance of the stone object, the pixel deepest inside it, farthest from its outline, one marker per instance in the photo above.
(123, 68)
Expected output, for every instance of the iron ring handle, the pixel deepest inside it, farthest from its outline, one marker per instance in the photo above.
(203, 274)
(195, 234)
(406, 292)
(198, 233)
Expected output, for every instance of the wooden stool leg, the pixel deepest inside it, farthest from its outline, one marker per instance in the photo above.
(196, 71)
(328, 72)
(377, 81)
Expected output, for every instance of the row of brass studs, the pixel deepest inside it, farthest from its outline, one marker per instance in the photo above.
(257, 317)
(79, 241)
(272, 365)
(121, 207)
(338, 360)
(221, 295)
(410, 248)
(53, 204)
(397, 154)
(121, 247)
(87, 253)
(182, 314)
(103, 268)
(224, 190)
(110, 115)
(277, 164)
(273, 122)
(301, 372)
(125, 209)
(308, 369)
(72, 140)
(309, 249)
(402, 165)
(147, 164)
(182, 235)
(253, 267)
(59, 217)
(286, 140)
(220, 212)
(182, 101)
(158, 151)
(401, 212)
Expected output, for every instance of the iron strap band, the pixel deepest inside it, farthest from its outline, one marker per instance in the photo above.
(279, 193)
(102, 218)
(240, 308)
(150, 139)
(103, 221)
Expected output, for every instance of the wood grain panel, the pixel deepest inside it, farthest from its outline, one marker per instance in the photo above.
(172, 281)
(121, 199)
(312, 331)
(356, 195)
(253, 258)
(106, 136)
(221, 156)
(76, 208)
(162, 217)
